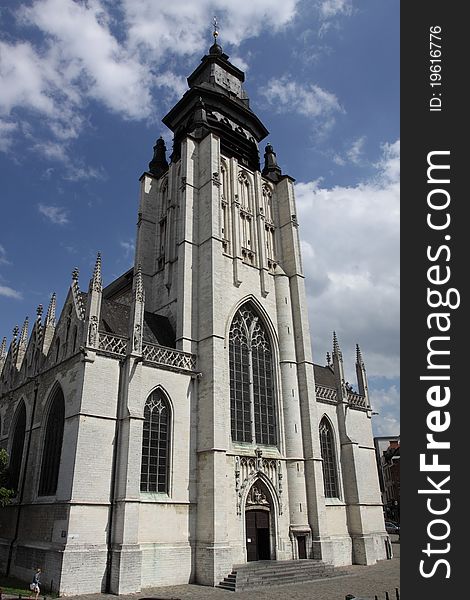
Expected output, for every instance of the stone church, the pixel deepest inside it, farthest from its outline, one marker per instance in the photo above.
(172, 424)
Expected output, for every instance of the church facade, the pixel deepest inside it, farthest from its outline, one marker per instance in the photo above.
(172, 424)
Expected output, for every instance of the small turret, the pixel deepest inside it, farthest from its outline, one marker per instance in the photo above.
(271, 169)
(159, 164)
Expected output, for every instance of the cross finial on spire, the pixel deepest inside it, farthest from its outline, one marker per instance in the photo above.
(215, 49)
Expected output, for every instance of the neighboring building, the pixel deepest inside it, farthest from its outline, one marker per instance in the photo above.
(169, 425)
(388, 464)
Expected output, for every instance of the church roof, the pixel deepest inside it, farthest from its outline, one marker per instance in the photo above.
(115, 319)
(324, 376)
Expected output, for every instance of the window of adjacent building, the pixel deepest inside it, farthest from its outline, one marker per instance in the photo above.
(330, 471)
(252, 402)
(16, 453)
(155, 444)
(52, 445)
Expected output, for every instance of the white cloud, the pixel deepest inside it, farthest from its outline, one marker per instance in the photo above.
(386, 401)
(7, 129)
(286, 95)
(56, 214)
(8, 292)
(114, 53)
(181, 28)
(354, 153)
(332, 8)
(3, 256)
(350, 243)
(128, 247)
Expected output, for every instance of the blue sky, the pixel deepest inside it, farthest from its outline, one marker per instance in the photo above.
(83, 88)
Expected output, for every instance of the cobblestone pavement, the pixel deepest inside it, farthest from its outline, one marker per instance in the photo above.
(359, 581)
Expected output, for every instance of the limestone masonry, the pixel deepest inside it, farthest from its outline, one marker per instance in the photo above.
(173, 424)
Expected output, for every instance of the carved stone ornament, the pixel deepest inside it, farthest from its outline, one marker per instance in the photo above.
(256, 497)
(137, 338)
(93, 331)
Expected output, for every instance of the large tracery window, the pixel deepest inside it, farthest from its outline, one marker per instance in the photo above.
(155, 444)
(252, 403)
(16, 454)
(330, 471)
(52, 446)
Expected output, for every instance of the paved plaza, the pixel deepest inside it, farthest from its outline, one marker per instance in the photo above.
(359, 581)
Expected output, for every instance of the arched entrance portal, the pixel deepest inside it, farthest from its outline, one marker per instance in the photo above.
(259, 523)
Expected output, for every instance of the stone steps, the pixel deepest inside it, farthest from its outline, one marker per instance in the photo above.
(261, 573)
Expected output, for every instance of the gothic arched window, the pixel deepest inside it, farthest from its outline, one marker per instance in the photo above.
(330, 471)
(252, 404)
(52, 446)
(154, 475)
(16, 454)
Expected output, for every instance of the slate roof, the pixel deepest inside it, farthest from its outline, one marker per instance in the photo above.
(324, 376)
(115, 319)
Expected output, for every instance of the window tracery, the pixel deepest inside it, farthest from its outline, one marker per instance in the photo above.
(52, 446)
(155, 444)
(328, 454)
(252, 403)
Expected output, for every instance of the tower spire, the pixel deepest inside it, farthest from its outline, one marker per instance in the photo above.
(336, 348)
(359, 359)
(361, 376)
(50, 315)
(76, 294)
(92, 312)
(96, 280)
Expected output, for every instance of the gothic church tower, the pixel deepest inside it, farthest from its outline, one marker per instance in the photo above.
(172, 424)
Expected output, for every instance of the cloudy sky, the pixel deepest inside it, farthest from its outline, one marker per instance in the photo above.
(83, 88)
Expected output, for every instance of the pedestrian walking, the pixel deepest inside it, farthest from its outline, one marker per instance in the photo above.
(34, 585)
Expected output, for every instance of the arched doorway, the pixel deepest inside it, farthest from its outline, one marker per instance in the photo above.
(259, 523)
